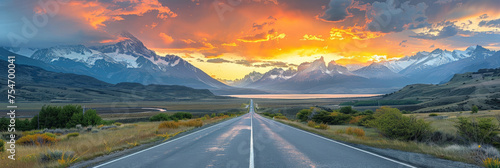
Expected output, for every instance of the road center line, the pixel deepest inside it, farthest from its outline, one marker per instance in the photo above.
(251, 137)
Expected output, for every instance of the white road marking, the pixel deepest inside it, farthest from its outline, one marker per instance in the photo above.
(340, 143)
(251, 165)
(104, 164)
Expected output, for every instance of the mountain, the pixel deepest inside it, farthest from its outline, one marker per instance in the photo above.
(376, 70)
(425, 60)
(478, 58)
(273, 77)
(458, 94)
(36, 84)
(248, 79)
(126, 61)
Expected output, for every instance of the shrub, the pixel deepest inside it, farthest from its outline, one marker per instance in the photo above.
(355, 131)
(192, 123)
(355, 120)
(100, 126)
(50, 134)
(106, 122)
(30, 132)
(392, 124)
(280, 117)
(334, 118)
(168, 124)
(303, 115)
(52, 155)
(347, 110)
(311, 124)
(323, 126)
(118, 124)
(160, 117)
(36, 139)
(474, 109)
(74, 134)
(365, 121)
(433, 114)
(491, 163)
(2, 145)
(480, 131)
(183, 115)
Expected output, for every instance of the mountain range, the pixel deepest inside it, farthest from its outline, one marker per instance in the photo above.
(130, 61)
(126, 61)
(434, 67)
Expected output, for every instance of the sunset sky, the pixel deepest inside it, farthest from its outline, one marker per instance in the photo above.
(230, 38)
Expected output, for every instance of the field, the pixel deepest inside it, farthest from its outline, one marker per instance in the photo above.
(88, 145)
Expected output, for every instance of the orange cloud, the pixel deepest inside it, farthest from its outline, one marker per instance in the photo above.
(265, 36)
(229, 44)
(355, 33)
(97, 13)
(166, 38)
(312, 37)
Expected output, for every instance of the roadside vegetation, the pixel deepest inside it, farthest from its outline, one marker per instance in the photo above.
(468, 137)
(72, 136)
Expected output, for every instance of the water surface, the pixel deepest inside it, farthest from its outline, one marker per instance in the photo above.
(301, 96)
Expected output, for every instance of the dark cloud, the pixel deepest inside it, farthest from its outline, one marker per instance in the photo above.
(483, 16)
(432, 46)
(402, 44)
(218, 60)
(490, 23)
(337, 11)
(200, 60)
(393, 16)
(445, 32)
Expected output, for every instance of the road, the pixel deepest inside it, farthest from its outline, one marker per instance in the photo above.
(252, 141)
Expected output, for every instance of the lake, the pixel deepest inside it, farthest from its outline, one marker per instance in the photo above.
(301, 96)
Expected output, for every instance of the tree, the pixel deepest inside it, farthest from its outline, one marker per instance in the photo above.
(474, 109)
(76, 119)
(91, 118)
(347, 110)
(303, 115)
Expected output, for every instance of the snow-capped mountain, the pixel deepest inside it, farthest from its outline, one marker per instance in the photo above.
(376, 70)
(425, 60)
(248, 79)
(273, 76)
(126, 61)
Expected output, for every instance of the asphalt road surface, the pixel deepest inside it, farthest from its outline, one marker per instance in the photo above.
(252, 141)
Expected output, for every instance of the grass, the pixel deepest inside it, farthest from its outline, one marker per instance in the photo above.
(370, 137)
(88, 145)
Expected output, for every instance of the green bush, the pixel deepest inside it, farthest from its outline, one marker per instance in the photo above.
(481, 131)
(433, 114)
(118, 124)
(365, 121)
(106, 122)
(303, 115)
(50, 134)
(183, 115)
(74, 134)
(347, 110)
(391, 123)
(334, 118)
(474, 109)
(160, 117)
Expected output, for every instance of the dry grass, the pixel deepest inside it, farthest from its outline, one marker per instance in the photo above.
(89, 145)
(169, 124)
(350, 134)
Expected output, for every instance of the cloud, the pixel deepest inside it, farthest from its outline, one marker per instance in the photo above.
(96, 13)
(355, 33)
(312, 37)
(337, 11)
(264, 36)
(483, 16)
(402, 43)
(432, 46)
(166, 38)
(229, 44)
(490, 23)
(388, 17)
(218, 60)
(439, 31)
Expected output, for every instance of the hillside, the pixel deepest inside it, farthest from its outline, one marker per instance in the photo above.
(481, 88)
(36, 84)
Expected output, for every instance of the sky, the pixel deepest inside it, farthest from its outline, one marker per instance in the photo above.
(230, 38)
